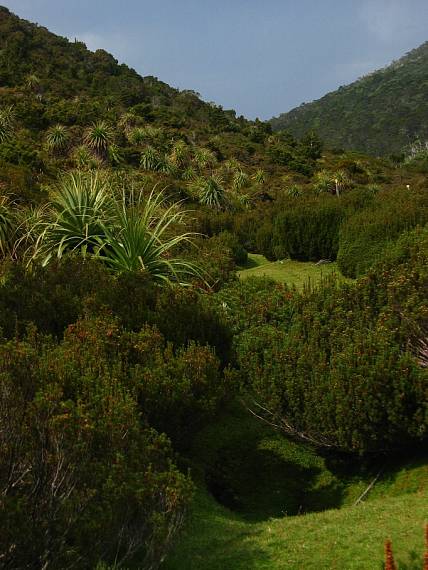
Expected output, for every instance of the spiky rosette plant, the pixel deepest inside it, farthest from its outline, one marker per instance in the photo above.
(210, 191)
(57, 138)
(242, 200)
(75, 218)
(146, 135)
(294, 191)
(143, 239)
(341, 181)
(84, 159)
(151, 160)
(203, 158)
(240, 180)
(127, 121)
(32, 82)
(137, 136)
(115, 155)
(7, 123)
(99, 137)
(232, 165)
(179, 154)
(259, 176)
(128, 234)
(323, 182)
(189, 173)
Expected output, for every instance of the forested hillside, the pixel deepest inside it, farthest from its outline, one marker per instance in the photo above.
(381, 113)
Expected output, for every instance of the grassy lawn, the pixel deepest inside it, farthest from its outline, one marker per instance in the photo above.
(287, 271)
(350, 538)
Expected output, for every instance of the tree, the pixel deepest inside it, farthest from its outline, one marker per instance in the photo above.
(57, 138)
(210, 191)
(99, 137)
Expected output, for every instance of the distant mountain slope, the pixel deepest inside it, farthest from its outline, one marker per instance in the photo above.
(379, 113)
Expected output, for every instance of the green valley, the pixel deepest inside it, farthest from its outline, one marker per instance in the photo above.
(213, 330)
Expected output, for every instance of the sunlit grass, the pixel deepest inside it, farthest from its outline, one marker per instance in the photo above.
(350, 538)
(288, 271)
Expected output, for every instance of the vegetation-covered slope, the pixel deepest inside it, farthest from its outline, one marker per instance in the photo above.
(121, 390)
(380, 113)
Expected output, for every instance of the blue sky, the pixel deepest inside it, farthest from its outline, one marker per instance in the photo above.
(260, 57)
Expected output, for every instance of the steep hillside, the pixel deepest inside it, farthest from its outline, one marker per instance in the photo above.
(32, 59)
(380, 113)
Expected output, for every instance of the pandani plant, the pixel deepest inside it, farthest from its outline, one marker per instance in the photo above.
(128, 233)
(7, 123)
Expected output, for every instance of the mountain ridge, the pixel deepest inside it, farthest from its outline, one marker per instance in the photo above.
(380, 113)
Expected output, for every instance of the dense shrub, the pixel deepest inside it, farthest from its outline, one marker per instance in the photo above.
(177, 390)
(343, 371)
(82, 479)
(231, 242)
(216, 260)
(366, 235)
(309, 230)
(56, 296)
(253, 302)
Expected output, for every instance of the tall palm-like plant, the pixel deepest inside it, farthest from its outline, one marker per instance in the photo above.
(127, 121)
(99, 137)
(137, 136)
(203, 158)
(143, 240)
(240, 180)
(150, 159)
(74, 220)
(7, 123)
(57, 138)
(146, 135)
(127, 233)
(323, 182)
(232, 165)
(32, 82)
(84, 159)
(210, 191)
(179, 154)
(341, 181)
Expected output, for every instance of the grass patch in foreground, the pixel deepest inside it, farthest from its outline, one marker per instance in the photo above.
(351, 538)
(288, 271)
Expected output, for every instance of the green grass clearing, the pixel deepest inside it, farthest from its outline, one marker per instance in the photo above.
(288, 271)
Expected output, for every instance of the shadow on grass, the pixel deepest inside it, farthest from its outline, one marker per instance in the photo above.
(251, 263)
(260, 484)
(215, 539)
(254, 471)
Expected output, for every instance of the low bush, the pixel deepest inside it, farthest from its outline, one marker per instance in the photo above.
(82, 478)
(310, 230)
(343, 370)
(365, 236)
